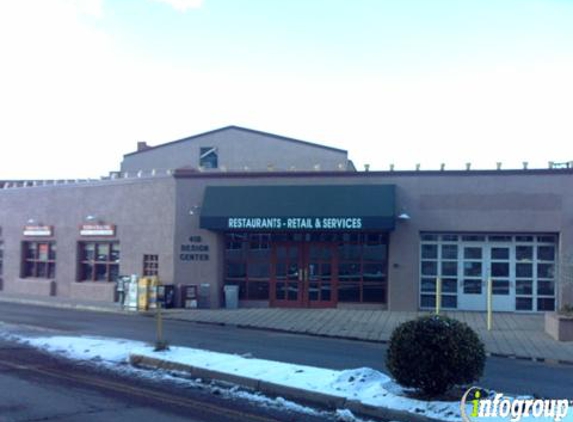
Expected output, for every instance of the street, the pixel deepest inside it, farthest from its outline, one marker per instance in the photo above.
(35, 386)
(39, 388)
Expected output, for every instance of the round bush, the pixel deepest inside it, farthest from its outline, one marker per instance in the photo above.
(434, 353)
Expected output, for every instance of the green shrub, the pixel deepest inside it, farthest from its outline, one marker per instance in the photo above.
(434, 353)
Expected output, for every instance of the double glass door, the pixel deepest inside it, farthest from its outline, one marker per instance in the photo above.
(303, 275)
(479, 263)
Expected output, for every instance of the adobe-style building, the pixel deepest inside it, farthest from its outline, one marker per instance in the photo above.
(293, 224)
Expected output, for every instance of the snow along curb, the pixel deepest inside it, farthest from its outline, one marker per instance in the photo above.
(328, 401)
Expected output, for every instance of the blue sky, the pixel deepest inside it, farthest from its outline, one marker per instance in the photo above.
(403, 81)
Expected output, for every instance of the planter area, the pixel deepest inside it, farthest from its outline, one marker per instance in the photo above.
(558, 326)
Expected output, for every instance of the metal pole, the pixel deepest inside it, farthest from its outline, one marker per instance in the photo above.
(489, 303)
(159, 324)
(438, 295)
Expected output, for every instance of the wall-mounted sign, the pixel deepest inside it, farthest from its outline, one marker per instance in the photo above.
(195, 250)
(97, 230)
(296, 223)
(38, 231)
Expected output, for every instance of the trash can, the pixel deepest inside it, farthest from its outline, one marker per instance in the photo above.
(231, 297)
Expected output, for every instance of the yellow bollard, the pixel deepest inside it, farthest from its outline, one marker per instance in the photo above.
(159, 324)
(489, 303)
(438, 295)
(160, 343)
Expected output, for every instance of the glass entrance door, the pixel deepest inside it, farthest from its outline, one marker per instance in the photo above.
(287, 275)
(303, 275)
(502, 278)
(479, 262)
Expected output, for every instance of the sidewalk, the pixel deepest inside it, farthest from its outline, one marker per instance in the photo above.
(64, 303)
(514, 335)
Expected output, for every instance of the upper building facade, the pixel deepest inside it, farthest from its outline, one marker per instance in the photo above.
(236, 149)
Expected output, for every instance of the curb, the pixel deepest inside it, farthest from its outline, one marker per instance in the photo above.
(317, 399)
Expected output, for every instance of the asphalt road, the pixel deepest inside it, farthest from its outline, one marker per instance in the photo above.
(502, 374)
(35, 386)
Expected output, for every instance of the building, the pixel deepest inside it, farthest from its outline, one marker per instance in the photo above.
(294, 224)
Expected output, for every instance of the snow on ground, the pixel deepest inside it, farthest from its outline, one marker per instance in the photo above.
(369, 386)
(113, 354)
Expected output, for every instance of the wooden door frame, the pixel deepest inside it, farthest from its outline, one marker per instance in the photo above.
(303, 285)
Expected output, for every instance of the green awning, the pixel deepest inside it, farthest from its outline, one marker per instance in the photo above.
(299, 208)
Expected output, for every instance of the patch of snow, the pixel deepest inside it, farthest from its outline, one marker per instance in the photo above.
(113, 354)
(366, 385)
(345, 415)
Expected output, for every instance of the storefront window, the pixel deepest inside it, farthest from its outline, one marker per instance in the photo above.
(362, 267)
(355, 262)
(39, 259)
(522, 269)
(99, 261)
(248, 264)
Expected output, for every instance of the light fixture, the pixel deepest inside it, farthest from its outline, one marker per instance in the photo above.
(31, 221)
(194, 209)
(404, 216)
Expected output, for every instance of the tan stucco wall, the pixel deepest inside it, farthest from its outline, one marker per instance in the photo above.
(154, 216)
(142, 210)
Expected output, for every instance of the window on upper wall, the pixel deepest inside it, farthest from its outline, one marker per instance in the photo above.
(209, 157)
(39, 259)
(98, 261)
(150, 265)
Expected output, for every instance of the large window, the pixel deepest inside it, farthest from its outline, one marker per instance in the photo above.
(39, 259)
(522, 269)
(362, 267)
(248, 264)
(358, 263)
(99, 261)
